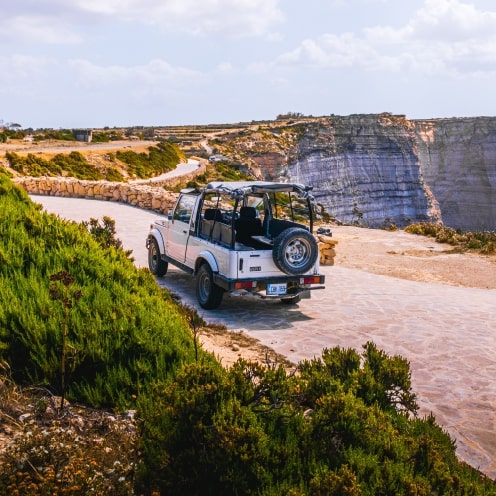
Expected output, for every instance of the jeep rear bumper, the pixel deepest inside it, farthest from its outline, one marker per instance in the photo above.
(271, 288)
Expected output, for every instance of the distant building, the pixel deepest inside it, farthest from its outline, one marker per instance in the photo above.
(83, 135)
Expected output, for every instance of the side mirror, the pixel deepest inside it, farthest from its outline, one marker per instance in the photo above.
(169, 214)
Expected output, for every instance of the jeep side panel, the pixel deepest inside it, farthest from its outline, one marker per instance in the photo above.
(220, 253)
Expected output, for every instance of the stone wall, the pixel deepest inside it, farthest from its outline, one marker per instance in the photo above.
(143, 196)
(149, 194)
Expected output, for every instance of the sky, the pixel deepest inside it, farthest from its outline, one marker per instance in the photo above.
(97, 63)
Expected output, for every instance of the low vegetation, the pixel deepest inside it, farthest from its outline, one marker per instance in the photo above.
(73, 164)
(122, 331)
(74, 451)
(482, 242)
(159, 159)
(78, 322)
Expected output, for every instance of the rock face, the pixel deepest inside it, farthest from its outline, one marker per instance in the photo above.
(365, 169)
(383, 169)
(458, 161)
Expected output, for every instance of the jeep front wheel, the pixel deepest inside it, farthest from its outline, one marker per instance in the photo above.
(295, 251)
(209, 295)
(157, 266)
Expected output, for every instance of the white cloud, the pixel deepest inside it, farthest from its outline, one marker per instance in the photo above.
(225, 68)
(41, 29)
(59, 21)
(17, 71)
(201, 17)
(443, 36)
(155, 73)
(451, 21)
(331, 51)
(35, 76)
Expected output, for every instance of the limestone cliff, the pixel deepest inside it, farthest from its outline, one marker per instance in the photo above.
(458, 161)
(365, 168)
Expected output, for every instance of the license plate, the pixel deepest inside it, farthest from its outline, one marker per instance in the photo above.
(276, 289)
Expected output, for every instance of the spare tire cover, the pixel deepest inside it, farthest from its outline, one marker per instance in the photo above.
(295, 251)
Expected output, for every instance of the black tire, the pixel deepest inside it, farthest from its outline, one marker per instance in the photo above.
(208, 294)
(295, 251)
(157, 266)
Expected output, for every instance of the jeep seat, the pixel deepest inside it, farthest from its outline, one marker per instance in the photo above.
(247, 225)
(213, 214)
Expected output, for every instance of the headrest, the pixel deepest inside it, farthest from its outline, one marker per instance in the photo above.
(249, 212)
(213, 214)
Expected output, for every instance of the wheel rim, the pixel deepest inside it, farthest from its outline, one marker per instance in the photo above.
(203, 286)
(296, 253)
(153, 257)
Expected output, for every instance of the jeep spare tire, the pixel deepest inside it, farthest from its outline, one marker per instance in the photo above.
(295, 251)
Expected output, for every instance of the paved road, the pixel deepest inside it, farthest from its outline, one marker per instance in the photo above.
(447, 333)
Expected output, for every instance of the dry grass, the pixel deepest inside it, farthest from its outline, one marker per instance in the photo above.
(75, 450)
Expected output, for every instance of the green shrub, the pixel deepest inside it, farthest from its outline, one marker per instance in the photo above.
(484, 242)
(114, 175)
(55, 134)
(75, 165)
(104, 233)
(100, 137)
(159, 159)
(124, 333)
(199, 439)
(32, 165)
(72, 164)
(344, 424)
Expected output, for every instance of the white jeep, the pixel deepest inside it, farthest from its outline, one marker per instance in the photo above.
(244, 237)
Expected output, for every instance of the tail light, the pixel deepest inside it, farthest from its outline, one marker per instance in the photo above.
(244, 285)
(311, 280)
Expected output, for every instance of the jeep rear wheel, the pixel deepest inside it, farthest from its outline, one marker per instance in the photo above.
(295, 251)
(209, 295)
(157, 266)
